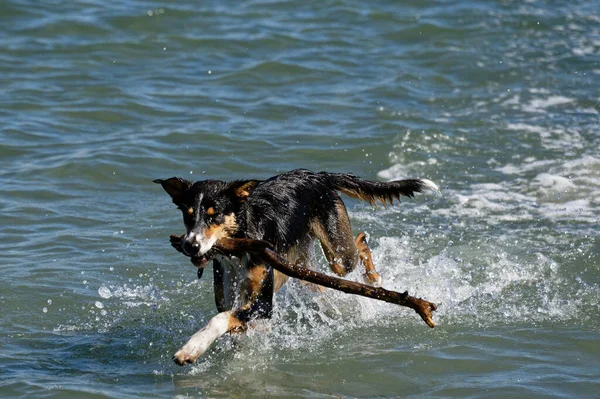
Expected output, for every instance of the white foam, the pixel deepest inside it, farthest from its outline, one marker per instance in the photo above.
(552, 186)
(486, 284)
(534, 189)
(528, 165)
(401, 171)
(524, 127)
(542, 104)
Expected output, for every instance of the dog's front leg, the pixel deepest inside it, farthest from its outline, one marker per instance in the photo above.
(257, 293)
(203, 339)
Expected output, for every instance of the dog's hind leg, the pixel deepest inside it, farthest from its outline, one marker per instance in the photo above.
(334, 258)
(364, 253)
(301, 255)
(339, 246)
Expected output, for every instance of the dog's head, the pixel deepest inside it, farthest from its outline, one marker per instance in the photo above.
(209, 210)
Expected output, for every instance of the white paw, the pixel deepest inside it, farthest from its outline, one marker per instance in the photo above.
(187, 355)
(201, 341)
(373, 279)
(182, 358)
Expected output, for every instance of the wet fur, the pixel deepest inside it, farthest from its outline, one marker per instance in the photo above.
(289, 211)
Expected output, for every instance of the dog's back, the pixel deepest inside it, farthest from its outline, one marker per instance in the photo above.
(282, 208)
(286, 208)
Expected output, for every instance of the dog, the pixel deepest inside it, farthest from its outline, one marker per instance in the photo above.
(290, 211)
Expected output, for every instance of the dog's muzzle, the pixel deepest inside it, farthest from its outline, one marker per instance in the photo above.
(199, 250)
(190, 249)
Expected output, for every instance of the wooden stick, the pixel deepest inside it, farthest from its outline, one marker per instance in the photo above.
(262, 249)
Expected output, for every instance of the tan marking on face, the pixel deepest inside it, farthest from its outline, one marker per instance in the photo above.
(190, 211)
(210, 211)
(224, 230)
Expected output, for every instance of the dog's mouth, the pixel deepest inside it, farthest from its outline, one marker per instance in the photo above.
(201, 261)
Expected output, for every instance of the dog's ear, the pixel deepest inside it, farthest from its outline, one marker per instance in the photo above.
(175, 186)
(243, 188)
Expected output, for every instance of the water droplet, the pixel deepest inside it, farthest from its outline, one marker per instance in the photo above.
(45, 310)
(49, 301)
(99, 305)
(104, 292)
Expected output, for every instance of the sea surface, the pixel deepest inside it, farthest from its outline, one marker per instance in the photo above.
(498, 102)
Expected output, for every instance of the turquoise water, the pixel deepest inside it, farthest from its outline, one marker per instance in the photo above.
(496, 101)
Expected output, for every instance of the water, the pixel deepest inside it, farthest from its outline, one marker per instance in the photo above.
(496, 101)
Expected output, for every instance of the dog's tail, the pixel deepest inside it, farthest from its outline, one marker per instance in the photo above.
(371, 191)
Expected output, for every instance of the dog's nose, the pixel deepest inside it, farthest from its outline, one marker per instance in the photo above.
(190, 248)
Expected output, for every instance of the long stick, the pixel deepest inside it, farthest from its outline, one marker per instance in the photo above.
(239, 246)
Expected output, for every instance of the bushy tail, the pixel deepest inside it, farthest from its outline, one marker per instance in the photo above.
(372, 191)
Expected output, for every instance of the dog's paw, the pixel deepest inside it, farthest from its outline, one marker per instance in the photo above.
(373, 278)
(183, 357)
(196, 346)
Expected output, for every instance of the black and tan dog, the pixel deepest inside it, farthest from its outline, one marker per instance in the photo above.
(289, 211)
